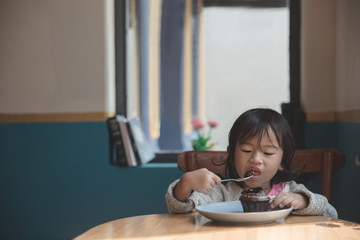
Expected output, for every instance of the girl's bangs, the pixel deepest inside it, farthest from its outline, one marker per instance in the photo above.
(260, 131)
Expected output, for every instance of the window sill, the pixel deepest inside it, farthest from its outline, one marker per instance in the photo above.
(159, 165)
(166, 157)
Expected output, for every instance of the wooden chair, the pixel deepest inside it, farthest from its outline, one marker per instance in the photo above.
(323, 160)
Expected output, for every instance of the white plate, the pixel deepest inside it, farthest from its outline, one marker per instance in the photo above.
(233, 212)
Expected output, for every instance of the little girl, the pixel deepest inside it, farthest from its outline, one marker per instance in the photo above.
(259, 141)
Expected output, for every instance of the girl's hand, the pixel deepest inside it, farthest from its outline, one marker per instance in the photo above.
(201, 180)
(296, 200)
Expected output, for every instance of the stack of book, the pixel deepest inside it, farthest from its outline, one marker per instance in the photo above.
(128, 144)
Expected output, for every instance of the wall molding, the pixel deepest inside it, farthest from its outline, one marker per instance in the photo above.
(54, 117)
(328, 116)
(334, 116)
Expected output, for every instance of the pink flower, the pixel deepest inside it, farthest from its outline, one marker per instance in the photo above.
(213, 124)
(197, 124)
(203, 140)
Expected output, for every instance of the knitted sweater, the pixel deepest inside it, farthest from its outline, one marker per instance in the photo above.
(318, 204)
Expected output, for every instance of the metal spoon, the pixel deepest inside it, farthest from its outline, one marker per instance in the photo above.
(237, 179)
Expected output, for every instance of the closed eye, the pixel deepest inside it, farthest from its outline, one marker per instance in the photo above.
(268, 154)
(246, 151)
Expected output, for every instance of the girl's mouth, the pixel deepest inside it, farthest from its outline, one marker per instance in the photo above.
(253, 171)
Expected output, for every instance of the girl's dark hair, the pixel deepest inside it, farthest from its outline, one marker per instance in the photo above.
(257, 122)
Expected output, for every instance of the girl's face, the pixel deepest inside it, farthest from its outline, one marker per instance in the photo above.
(263, 157)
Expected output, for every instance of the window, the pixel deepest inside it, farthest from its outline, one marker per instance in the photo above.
(246, 62)
(163, 68)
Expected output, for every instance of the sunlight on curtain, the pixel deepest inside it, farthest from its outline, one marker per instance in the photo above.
(163, 57)
(154, 68)
(132, 59)
(201, 60)
(188, 68)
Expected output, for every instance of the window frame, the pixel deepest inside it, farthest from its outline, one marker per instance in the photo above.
(120, 57)
(292, 111)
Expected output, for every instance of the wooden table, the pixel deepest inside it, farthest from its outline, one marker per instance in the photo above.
(196, 226)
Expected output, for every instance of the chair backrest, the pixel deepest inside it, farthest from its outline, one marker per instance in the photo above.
(323, 160)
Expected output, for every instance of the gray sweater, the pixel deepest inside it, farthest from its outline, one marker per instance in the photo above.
(318, 204)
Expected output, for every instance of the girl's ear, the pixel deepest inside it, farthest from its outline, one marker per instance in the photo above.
(281, 167)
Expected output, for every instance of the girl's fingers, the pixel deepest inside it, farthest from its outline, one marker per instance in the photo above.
(205, 181)
(275, 201)
(281, 200)
(208, 187)
(217, 179)
(285, 202)
(295, 200)
(214, 183)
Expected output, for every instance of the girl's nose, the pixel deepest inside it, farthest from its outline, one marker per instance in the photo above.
(256, 158)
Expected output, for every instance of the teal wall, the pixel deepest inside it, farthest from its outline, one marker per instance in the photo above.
(344, 136)
(55, 180)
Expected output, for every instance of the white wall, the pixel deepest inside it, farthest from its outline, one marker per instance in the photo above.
(56, 56)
